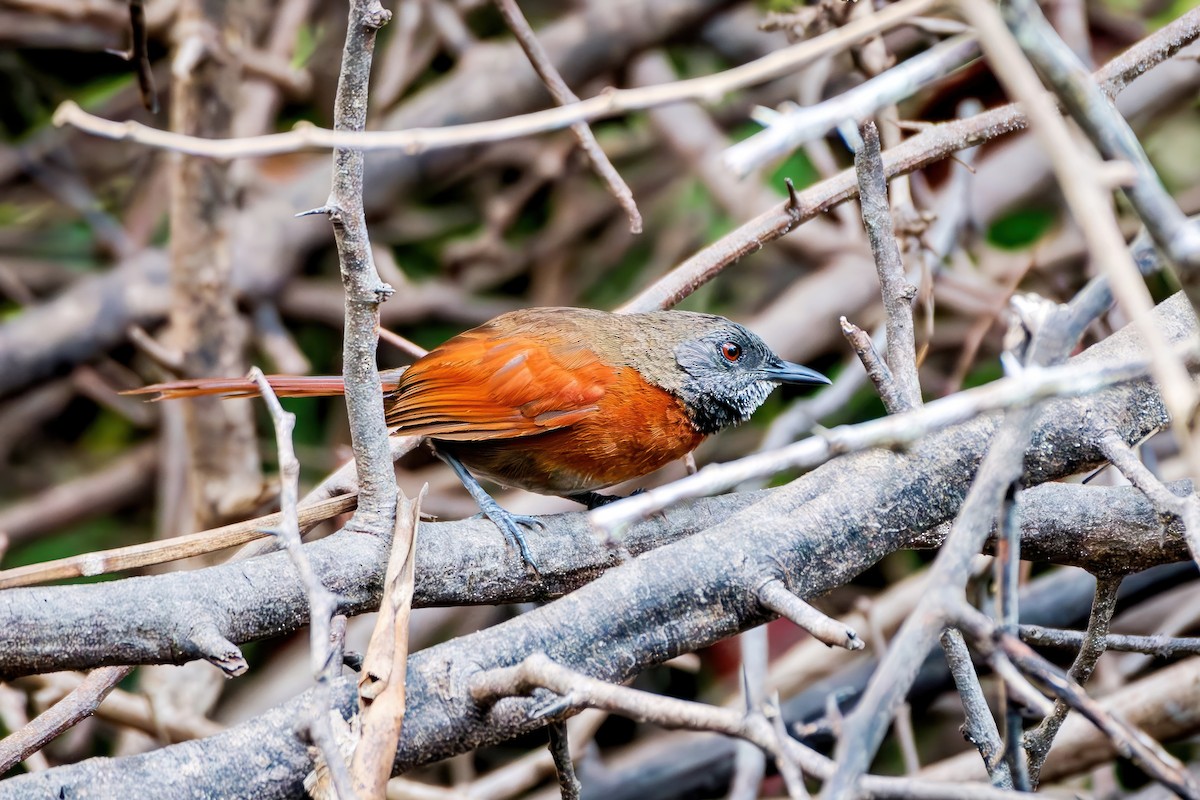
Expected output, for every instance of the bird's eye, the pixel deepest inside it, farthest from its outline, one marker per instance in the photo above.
(732, 351)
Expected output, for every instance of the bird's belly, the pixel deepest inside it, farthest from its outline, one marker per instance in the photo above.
(603, 450)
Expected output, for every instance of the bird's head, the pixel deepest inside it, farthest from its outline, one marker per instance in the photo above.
(721, 371)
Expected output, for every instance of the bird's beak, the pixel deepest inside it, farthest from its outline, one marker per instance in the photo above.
(787, 372)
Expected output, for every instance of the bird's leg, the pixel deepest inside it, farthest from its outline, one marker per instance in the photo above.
(508, 523)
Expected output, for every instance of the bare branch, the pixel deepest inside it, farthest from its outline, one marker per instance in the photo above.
(564, 96)
(417, 140)
(980, 728)
(775, 595)
(365, 291)
(322, 603)
(798, 125)
(898, 293)
(80, 703)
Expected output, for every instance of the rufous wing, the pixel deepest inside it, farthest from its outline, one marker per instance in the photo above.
(484, 385)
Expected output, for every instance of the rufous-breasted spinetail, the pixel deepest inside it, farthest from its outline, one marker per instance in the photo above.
(564, 401)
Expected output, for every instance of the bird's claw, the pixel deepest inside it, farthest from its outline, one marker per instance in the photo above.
(510, 525)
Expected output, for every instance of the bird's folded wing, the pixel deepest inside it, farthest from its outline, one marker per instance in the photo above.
(477, 386)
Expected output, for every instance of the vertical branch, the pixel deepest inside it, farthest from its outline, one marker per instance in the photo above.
(365, 291)
(324, 649)
(1008, 570)
(898, 293)
(560, 749)
(206, 330)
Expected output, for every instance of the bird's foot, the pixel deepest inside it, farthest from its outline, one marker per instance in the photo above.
(510, 525)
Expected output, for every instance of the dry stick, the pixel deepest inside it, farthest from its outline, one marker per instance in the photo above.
(60, 717)
(579, 690)
(787, 762)
(1163, 499)
(563, 95)
(1079, 177)
(365, 291)
(799, 125)
(322, 603)
(1156, 646)
(980, 727)
(118, 559)
(709, 88)
(1130, 741)
(381, 693)
(1095, 640)
(898, 293)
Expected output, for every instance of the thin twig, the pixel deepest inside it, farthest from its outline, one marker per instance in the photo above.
(322, 603)
(800, 124)
(141, 55)
(563, 95)
(898, 293)
(749, 762)
(980, 727)
(560, 750)
(1007, 573)
(775, 595)
(1157, 646)
(62, 716)
(710, 88)
(1095, 640)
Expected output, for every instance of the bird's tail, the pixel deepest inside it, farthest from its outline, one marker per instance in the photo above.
(284, 386)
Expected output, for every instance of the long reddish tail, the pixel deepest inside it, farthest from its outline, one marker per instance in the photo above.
(284, 386)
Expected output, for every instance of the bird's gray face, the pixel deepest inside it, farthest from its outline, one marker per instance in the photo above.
(730, 372)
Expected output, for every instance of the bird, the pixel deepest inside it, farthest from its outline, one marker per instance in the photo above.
(562, 401)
